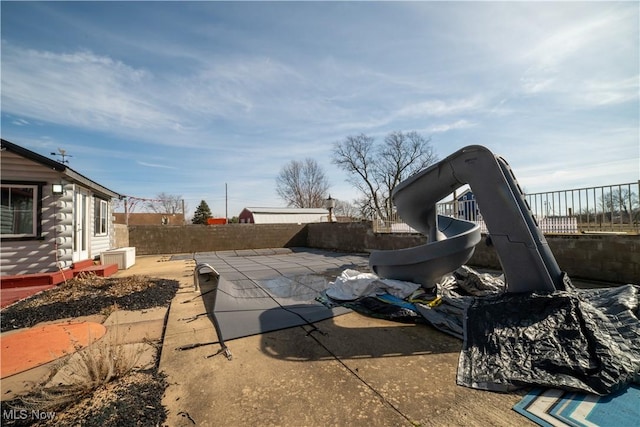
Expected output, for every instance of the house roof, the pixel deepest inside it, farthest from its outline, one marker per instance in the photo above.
(288, 210)
(60, 167)
(287, 215)
(464, 193)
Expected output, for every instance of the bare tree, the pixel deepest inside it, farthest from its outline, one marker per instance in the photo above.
(127, 204)
(166, 204)
(376, 169)
(620, 202)
(346, 209)
(302, 184)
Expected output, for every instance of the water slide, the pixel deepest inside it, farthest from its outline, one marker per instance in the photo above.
(527, 261)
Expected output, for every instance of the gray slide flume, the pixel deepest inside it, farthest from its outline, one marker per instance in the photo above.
(527, 261)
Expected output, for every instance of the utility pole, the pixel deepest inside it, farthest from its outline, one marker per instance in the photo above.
(226, 204)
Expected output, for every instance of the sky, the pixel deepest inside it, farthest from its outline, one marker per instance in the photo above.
(186, 98)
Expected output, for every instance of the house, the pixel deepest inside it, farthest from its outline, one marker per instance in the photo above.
(51, 217)
(467, 206)
(283, 215)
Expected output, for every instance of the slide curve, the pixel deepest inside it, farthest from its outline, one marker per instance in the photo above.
(527, 261)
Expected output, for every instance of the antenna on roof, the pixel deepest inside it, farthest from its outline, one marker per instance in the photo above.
(63, 155)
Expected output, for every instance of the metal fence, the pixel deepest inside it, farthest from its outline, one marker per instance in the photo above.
(604, 209)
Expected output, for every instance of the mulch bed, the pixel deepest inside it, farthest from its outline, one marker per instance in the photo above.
(86, 295)
(132, 400)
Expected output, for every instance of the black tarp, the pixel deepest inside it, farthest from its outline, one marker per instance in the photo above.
(579, 339)
(586, 340)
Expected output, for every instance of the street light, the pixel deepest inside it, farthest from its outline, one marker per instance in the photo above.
(331, 203)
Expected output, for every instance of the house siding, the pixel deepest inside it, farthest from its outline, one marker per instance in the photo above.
(63, 231)
(54, 248)
(32, 256)
(100, 243)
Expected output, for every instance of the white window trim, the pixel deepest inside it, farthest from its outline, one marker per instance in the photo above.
(102, 217)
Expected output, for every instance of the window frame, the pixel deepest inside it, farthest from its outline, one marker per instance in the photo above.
(101, 218)
(36, 210)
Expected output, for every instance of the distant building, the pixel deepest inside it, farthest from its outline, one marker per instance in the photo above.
(145, 218)
(216, 221)
(283, 215)
(468, 207)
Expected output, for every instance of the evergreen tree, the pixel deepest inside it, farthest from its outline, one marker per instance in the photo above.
(202, 213)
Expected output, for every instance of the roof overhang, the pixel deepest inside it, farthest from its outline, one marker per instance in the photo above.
(66, 171)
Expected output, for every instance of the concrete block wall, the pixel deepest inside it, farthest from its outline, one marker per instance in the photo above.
(358, 237)
(614, 258)
(121, 235)
(169, 239)
(607, 258)
(600, 257)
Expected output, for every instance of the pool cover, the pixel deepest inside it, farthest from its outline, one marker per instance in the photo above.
(579, 339)
(265, 290)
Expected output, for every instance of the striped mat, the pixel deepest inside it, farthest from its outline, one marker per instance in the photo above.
(558, 408)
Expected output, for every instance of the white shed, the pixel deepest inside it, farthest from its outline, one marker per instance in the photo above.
(283, 215)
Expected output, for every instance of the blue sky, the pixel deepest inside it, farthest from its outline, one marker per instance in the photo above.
(184, 97)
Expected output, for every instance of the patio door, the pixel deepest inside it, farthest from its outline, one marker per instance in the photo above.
(80, 225)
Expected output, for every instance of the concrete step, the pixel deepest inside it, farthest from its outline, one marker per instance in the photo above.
(57, 277)
(79, 265)
(99, 270)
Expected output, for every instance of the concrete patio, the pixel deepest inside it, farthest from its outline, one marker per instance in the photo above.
(346, 370)
(349, 370)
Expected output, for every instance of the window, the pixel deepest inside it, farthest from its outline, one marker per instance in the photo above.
(100, 216)
(18, 210)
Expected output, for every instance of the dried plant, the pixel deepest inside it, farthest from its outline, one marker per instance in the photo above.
(80, 373)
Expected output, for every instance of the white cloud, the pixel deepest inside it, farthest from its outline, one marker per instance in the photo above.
(155, 165)
(582, 61)
(458, 124)
(235, 100)
(20, 122)
(80, 89)
(553, 176)
(439, 107)
(536, 84)
(607, 92)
